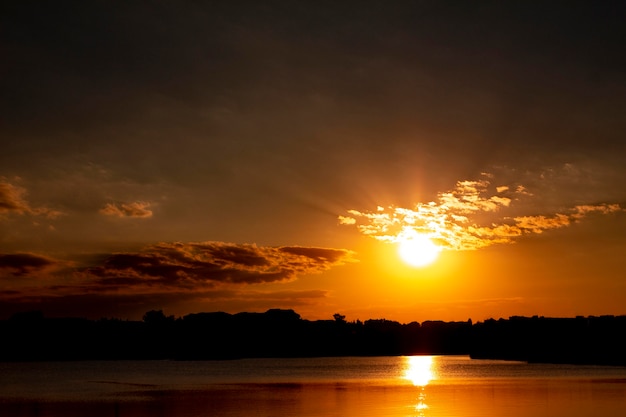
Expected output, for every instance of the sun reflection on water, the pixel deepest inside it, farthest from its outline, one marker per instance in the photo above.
(419, 370)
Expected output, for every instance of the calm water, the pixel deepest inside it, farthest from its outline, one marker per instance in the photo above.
(382, 386)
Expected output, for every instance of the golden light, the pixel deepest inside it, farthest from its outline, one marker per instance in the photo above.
(418, 250)
(419, 370)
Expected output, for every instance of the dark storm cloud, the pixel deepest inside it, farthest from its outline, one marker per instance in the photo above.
(24, 264)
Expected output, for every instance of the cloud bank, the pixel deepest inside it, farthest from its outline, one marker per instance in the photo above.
(453, 220)
(207, 264)
(167, 272)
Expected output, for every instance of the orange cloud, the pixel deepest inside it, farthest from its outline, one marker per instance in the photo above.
(137, 209)
(449, 221)
(583, 210)
(346, 220)
(12, 201)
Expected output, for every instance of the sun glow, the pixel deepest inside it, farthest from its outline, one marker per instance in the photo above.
(418, 250)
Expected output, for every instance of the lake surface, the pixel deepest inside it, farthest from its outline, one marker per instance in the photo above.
(375, 386)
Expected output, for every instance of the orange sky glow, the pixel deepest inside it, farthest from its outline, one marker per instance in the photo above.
(237, 156)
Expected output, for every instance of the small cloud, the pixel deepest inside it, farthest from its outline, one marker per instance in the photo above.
(537, 224)
(137, 209)
(502, 188)
(47, 213)
(346, 220)
(13, 201)
(583, 210)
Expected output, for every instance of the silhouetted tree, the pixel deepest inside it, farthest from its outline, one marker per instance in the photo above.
(156, 317)
(339, 318)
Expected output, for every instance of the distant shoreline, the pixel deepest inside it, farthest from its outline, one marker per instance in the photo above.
(30, 336)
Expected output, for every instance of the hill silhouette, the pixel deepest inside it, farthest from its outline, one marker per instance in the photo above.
(30, 336)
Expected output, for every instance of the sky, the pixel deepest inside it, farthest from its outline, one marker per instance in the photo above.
(198, 156)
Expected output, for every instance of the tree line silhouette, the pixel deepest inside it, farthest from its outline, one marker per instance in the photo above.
(29, 336)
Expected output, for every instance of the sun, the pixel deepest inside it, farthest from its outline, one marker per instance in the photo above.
(418, 250)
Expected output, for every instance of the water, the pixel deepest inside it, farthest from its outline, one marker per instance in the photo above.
(424, 386)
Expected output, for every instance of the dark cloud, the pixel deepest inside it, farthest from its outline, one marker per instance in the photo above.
(248, 255)
(23, 264)
(320, 255)
(170, 273)
(188, 265)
